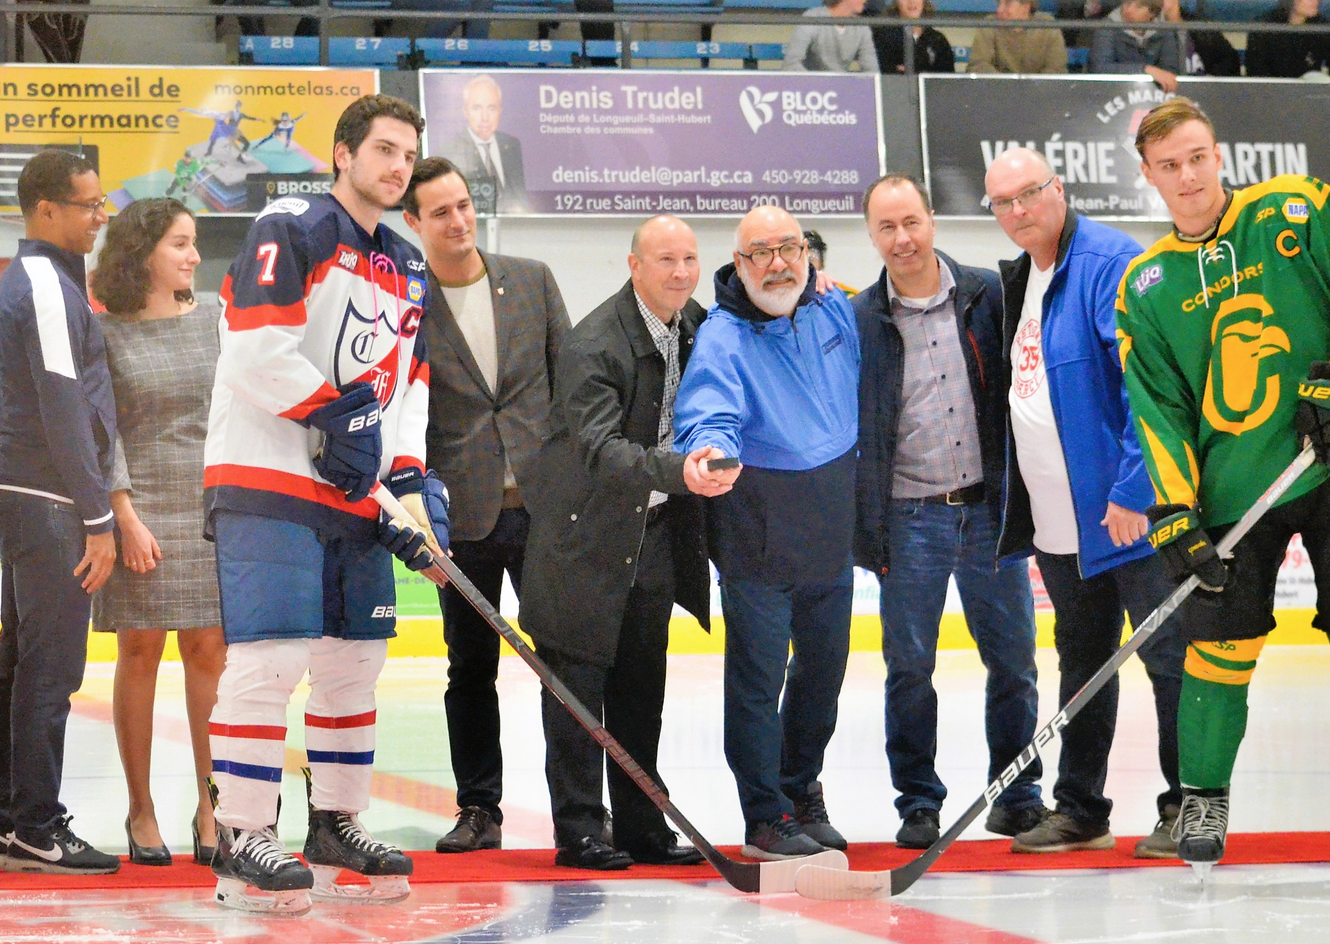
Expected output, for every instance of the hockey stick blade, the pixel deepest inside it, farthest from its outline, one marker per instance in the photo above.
(745, 876)
(812, 881)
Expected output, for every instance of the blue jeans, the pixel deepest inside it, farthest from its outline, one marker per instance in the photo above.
(775, 746)
(927, 544)
(1088, 628)
(43, 648)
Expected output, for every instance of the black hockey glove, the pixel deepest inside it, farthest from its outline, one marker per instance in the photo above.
(1314, 409)
(352, 440)
(1183, 546)
(405, 541)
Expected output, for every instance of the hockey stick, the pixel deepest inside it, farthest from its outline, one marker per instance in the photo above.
(811, 881)
(745, 876)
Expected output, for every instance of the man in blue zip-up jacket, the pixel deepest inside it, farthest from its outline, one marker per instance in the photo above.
(57, 433)
(930, 495)
(773, 379)
(1077, 488)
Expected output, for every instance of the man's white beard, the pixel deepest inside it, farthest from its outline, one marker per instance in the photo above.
(780, 299)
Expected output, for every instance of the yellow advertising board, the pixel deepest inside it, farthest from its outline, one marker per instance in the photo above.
(222, 139)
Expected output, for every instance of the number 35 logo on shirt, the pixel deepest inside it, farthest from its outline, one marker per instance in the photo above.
(1027, 360)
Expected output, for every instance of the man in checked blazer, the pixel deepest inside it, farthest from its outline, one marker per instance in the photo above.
(492, 325)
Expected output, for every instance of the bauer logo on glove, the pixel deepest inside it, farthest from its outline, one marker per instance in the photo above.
(1313, 417)
(1184, 548)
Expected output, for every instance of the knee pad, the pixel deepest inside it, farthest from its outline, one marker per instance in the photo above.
(1224, 663)
(340, 721)
(259, 678)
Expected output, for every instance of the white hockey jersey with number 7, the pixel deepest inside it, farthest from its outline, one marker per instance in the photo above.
(312, 303)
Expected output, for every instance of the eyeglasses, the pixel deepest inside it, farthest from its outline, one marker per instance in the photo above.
(789, 252)
(90, 207)
(1028, 198)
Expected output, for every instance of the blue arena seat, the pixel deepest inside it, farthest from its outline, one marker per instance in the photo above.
(1078, 57)
(366, 50)
(281, 50)
(765, 52)
(514, 51)
(961, 54)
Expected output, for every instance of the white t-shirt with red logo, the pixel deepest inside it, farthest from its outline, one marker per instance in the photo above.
(1038, 446)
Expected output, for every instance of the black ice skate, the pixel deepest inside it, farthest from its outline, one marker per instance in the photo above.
(255, 874)
(1201, 828)
(337, 841)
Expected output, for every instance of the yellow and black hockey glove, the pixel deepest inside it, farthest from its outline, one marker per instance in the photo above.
(1183, 546)
(1314, 409)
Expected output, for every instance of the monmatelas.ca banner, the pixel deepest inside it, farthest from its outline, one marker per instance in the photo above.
(223, 140)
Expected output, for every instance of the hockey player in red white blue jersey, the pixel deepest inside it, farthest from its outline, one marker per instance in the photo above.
(321, 393)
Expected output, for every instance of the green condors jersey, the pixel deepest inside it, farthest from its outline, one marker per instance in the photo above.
(1213, 339)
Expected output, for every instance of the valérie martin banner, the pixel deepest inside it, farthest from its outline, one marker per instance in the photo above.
(1086, 126)
(644, 142)
(223, 140)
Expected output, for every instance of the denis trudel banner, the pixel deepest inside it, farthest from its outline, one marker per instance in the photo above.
(606, 143)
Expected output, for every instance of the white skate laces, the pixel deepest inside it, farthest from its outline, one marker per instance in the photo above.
(1202, 818)
(263, 847)
(382, 888)
(257, 858)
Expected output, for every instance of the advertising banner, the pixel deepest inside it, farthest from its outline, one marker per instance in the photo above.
(608, 143)
(1086, 126)
(223, 140)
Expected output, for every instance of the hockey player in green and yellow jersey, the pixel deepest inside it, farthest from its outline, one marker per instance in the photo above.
(1219, 324)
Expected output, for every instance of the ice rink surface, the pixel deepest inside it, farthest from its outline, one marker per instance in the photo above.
(1282, 781)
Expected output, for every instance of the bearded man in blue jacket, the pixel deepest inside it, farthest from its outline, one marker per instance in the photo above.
(1077, 489)
(773, 380)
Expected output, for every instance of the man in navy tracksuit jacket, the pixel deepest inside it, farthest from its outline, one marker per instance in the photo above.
(1077, 489)
(57, 433)
(773, 380)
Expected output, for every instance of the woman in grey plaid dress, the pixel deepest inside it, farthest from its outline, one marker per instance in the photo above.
(162, 349)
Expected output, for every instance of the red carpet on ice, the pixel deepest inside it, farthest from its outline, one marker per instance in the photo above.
(537, 865)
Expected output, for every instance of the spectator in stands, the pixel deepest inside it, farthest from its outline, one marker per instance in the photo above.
(932, 50)
(57, 547)
(1079, 10)
(831, 48)
(162, 348)
(493, 326)
(1026, 50)
(618, 536)
(929, 488)
(489, 159)
(1292, 53)
(1204, 52)
(1137, 47)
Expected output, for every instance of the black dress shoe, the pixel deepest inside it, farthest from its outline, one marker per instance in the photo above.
(475, 829)
(202, 853)
(146, 855)
(590, 852)
(662, 850)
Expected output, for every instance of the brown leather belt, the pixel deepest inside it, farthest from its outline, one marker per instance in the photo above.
(969, 495)
(512, 498)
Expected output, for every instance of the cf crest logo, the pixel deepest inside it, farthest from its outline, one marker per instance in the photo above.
(756, 106)
(1235, 399)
